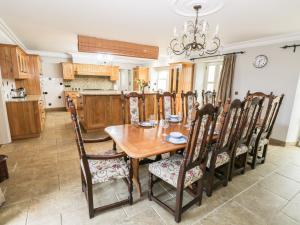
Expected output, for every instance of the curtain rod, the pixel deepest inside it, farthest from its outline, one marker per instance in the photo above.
(210, 56)
(291, 46)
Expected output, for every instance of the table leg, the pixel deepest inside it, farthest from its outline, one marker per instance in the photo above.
(136, 178)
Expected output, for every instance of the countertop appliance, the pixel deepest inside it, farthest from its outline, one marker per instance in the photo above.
(18, 93)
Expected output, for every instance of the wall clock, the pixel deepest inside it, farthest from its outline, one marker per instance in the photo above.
(260, 61)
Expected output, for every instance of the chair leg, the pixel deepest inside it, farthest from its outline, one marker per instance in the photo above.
(90, 201)
(244, 163)
(114, 146)
(83, 185)
(178, 208)
(227, 174)
(200, 191)
(254, 157)
(150, 186)
(130, 186)
(210, 182)
(264, 154)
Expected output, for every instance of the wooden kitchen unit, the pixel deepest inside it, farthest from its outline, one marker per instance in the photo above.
(70, 70)
(26, 117)
(98, 110)
(140, 73)
(14, 62)
(181, 79)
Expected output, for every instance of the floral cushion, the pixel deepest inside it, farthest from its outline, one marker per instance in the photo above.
(106, 170)
(134, 109)
(167, 106)
(190, 103)
(241, 149)
(222, 158)
(263, 141)
(168, 170)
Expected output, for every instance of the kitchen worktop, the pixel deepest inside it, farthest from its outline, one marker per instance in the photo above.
(28, 98)
(107, 92)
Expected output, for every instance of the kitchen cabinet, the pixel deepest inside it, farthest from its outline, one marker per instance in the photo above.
(115, 73)
(14, 62)
(97, 111)
(68, 71)
(26, 117)
(32, 84)
(181, 79)
(140, 73)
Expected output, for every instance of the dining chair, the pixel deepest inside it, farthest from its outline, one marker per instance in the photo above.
(249, 117)
(188, 100)
(97, 169)
(186, 172)
(209, 97)
(218, 163)
(260, 139)
(166, 104)
(133, 107)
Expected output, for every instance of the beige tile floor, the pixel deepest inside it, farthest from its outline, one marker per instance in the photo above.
(44, 188)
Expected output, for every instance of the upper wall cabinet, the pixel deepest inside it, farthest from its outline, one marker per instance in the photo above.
(68, 70)
(181, 77)
(14, 62)
(140, 73)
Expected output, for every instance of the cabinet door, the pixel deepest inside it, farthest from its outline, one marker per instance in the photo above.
(68, 71)
(115, 73)
(6, 62)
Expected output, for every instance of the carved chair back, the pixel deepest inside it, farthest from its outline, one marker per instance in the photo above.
(166, 104)
(199, 138)
(271, 115)
(188, 100)
(133, 107)
(209, 97)
(85, 170)
(229, 128)
(251, 110)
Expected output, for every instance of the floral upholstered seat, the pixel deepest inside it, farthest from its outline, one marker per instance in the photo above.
(109, 169)
(241, 149)
(222, 158)
(168, 170)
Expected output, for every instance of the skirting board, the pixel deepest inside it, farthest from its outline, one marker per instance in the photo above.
(282, 143)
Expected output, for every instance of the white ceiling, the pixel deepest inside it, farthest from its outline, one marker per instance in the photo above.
(53, 25)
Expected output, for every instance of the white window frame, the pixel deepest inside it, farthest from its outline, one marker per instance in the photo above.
(219, 65)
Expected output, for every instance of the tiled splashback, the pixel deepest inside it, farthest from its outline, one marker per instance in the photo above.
(7, 85)
(88, 82)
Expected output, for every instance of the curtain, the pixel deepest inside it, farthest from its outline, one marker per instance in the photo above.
(226, 78)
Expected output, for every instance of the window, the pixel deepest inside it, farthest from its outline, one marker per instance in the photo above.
(161, 79)
(212, 75)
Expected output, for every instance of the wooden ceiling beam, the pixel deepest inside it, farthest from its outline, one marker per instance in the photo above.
(99, 45)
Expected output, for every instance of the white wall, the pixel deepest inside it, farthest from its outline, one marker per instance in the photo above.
(294, 128)
(280, 76)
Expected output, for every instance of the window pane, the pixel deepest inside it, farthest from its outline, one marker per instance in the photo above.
(210, 86)
(162, 84)
(211, 73)
(163, 75)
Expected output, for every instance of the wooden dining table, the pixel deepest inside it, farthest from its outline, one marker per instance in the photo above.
(139, 143)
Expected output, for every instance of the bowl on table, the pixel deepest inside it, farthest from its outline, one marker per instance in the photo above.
(176, 138)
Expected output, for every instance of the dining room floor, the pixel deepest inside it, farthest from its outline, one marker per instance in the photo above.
(44, 188)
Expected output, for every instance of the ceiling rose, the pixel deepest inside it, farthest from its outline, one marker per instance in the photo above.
(185, 7)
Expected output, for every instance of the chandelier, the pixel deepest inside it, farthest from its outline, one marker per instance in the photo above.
(195, 38)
